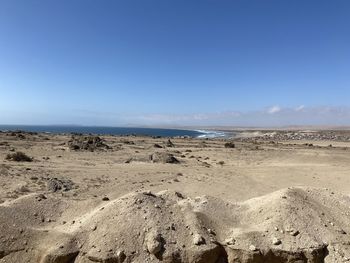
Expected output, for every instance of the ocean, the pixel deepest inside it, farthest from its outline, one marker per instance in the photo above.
(114, 130)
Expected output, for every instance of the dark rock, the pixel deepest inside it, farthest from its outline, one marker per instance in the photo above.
(163, 158)
(230, 145)
(169, 143)
(87, 143)
(55, 184)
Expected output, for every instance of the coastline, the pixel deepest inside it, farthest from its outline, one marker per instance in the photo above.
(103, 130)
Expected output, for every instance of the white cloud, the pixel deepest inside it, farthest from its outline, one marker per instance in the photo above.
(300, 115)
(274, 109)
(268, 117)
(299, 108)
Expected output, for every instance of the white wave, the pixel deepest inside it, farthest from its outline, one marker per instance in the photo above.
(211, 134)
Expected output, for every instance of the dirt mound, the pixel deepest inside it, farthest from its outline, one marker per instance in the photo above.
(87, 143)
(292, 225)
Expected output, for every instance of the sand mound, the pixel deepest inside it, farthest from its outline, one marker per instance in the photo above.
(291, 225)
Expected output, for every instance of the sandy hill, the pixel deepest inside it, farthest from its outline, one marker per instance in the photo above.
(290, 225)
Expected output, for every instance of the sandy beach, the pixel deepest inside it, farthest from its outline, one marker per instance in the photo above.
(144, 199)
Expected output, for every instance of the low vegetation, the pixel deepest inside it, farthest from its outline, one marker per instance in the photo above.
(18, 157)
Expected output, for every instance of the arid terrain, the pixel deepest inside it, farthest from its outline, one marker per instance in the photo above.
(267, 198)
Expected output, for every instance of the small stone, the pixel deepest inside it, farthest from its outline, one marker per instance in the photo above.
(252, 248)
(294, 233)
(198, 240)
(149, 193)
(121, 255)
(211, 231)
(138, 201)
(156, 206)
(230, 241)
(341, 231)
(94, 227)
(154, 244)
(276, 241)
(105, 198)
(41, 197)
(179, 195)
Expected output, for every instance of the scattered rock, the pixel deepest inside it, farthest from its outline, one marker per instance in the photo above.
(87, 143)
(252, 248)
(170, 143)
(294, 233)
(40, 197)
(149, 193)
(179, 195)
(129, 160)
(162, 157)
(121, 256)
(55, 185)
(198, 240)
(154, 243)
(276, 241)
(211, 231)
(230, 241)
(128, 142)
(230, 145)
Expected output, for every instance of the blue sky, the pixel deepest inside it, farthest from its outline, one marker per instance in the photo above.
(177, 62)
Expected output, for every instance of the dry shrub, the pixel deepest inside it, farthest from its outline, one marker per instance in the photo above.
(18, 157)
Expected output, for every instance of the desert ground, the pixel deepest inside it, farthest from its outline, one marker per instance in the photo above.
(262, 197)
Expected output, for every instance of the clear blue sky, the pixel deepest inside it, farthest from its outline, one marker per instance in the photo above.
(149, 62)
